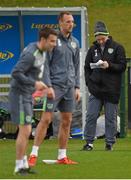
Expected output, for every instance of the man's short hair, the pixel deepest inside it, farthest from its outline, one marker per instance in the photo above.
(46, 31)
(62, 14)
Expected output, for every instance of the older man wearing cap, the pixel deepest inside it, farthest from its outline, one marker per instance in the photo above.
(104, 64)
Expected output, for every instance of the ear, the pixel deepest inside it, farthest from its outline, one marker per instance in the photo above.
(43, 39)
(60, 22)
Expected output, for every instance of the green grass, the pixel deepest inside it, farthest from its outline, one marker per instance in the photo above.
(95, 164)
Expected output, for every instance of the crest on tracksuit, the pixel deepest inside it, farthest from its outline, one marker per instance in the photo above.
(110, 50)
(73, 44)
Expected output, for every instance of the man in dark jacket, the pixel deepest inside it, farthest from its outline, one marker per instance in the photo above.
(105, 62)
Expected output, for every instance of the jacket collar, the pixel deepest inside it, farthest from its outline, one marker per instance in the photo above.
(65, 38)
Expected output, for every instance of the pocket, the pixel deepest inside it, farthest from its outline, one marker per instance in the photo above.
(95, 77)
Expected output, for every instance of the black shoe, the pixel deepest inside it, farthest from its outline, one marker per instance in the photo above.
(24, 171)
(30, 171)
(109, 147)
(87, 147)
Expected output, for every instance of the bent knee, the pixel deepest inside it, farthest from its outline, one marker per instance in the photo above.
(46, 118)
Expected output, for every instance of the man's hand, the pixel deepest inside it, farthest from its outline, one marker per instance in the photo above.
(39, 85)
(51, 93)
(77, 94)
(104, 65)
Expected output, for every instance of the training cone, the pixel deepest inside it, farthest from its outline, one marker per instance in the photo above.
(49, 161)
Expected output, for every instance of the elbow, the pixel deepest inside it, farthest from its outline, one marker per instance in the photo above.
(15, 74)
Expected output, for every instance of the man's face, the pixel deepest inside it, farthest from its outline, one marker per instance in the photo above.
(67, 23)
(101, 39)
(49, 43)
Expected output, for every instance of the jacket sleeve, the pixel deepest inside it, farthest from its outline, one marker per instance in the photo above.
(120, 56)
(46, 74)
(21, 69)
(87, 69)
(77, 68)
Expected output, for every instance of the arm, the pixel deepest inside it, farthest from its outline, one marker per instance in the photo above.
(87, 69)
(120, 66)
(77, 72)
(21, 69)
(46, 74)
(77, 94)
(77, 68)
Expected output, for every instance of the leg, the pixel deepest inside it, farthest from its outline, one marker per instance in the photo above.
(41, 131)
(66, 107)
(21, 147)
(110, 122)
(64, 129)
(21, 114)
(63, 136)
(46, 117)
(22, 166)
(93, 111)
(22, 141)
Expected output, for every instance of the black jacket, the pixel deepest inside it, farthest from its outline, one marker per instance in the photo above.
(105, 84)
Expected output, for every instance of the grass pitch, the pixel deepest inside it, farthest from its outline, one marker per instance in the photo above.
(92, 165)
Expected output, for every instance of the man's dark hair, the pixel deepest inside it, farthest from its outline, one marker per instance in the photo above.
(62, 14)
(46, 31)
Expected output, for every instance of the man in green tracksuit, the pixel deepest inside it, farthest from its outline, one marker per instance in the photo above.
(63, 79)
(27, 76)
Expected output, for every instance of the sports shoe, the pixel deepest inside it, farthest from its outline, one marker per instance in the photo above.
(87, 147)
(66, 160)
(32, 160)
(21, 171)
(109, 147)
(30, 171)
(24, 171)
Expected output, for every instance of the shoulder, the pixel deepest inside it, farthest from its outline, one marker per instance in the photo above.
(28, 51)
(115, 43)
(75, 40)
(119, 47)
(92, 47)
(30, 48)
(118, 44)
